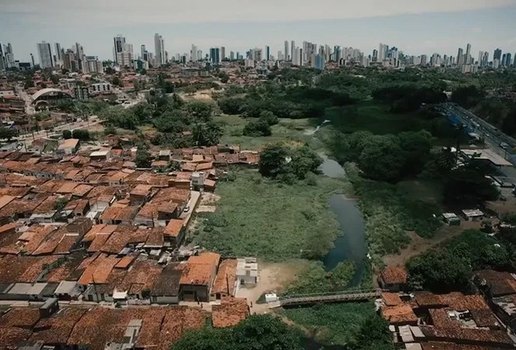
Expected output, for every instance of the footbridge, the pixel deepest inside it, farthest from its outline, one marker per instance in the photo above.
(333, 297)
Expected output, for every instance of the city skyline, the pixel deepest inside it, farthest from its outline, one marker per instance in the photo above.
(486, 26)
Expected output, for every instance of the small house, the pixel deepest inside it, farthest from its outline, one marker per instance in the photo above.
(247, 271)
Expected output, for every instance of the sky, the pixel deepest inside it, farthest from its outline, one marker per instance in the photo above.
(414, 26)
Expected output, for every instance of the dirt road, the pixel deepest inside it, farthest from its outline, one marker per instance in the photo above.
(419, 245)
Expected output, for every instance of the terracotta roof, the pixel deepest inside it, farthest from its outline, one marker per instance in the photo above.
(391, 299)
(125, 261)
(230, 312)
(57, 328)
(225, 278)
(200, 269)
(23, 317)
(174, 227)
(13, 336)
(499, 283)
(394, 275)
(399, 314)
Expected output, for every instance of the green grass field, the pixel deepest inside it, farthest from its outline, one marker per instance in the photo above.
(287, 130)
(275, 222)
(332, 324)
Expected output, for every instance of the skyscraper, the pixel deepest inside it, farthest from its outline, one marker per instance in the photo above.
(193, 54)
(118, 47)
(45, 55)
(467, 59)
(222, 53)
(58, 57)
(382, 52)
(215, 55)
(2, 59)
(159, 52)
(460, 57)
(286, 50)
(292, 50)
(497, 56)
(267, 53)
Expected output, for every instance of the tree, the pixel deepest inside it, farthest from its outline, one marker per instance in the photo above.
(199, 110)
(60, 203)
(54, 79)
(468, 185)
(273, 160)
(257, 332)
(266, 332)
(257, 128)
(439, 271)
(81, 134)
(67, 134)
(117, 81)
(7, 133)
(304, 161)
(374, 334)
(382, 158)
(467, 96)
(416, 147)
(231, 105)
(269, 117)
(143, 158)
(206, 134)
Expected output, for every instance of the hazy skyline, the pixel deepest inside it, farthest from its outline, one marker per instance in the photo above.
(413, 26)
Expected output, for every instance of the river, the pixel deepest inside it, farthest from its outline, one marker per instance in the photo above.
(351, 242)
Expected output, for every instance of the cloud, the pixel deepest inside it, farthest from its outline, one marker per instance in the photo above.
(122, 12)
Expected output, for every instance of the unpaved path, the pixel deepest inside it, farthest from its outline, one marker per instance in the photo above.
(419, 245)
(273, 277)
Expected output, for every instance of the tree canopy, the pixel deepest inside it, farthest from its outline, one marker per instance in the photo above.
(258, 332)
(288, 164)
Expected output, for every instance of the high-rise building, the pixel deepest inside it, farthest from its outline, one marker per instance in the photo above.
(286, 53)
(193, 54)
(497, 57)
(256, 54)
(467, 58)
(118, 47)
(58, 57)
(375, 55)
(215, 55)
(2, 59)
(231, 55)
(382, 52)
(292, 49)
(222, 53)
(159, 50)
(460, 57)
(497, 54)
(45, 55)
(508, 60)
(267, 53)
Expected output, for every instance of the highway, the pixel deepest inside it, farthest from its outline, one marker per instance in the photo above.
(492, 137)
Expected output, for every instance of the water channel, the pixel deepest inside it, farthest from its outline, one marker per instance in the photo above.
(351, 242)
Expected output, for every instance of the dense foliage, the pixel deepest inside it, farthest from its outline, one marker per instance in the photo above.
(288, 164)
(179, 124)
(316, 280)
(351, 325)
(409, 97)
(259, 332)
(450, 266)
(386, 157)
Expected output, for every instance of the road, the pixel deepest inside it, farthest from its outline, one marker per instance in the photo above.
(489, 133)
(29, 109)
(492, 137)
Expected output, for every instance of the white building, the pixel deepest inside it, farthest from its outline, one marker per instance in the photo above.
(159, 46)
(247, 271)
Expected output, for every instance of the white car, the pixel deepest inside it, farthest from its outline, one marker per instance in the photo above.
(187, 209)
